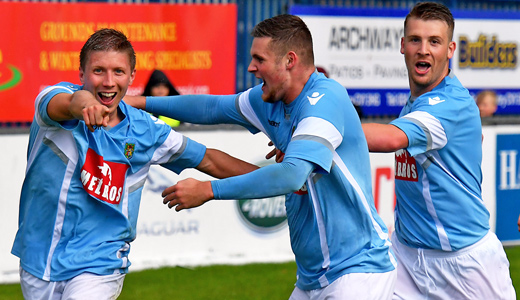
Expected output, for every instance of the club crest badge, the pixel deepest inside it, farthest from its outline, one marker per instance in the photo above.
(129, 150)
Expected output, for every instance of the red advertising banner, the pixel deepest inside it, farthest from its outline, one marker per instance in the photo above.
(194, 44)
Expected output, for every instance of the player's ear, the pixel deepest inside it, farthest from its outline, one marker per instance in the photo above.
(81, 76)
(451, 49)
(132, 77)
(291, 57)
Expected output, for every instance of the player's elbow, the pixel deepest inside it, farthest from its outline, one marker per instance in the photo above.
(295, 185)
(388, 143)
(393, 145)
(295, 174)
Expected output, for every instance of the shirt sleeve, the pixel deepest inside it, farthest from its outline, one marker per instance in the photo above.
(198, 109)
(315, 140)
(425, 132)
(43, 99)
(321, 125)
(269, 181)
(183, 155)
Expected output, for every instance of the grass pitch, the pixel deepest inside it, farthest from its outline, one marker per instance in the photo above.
(252, 282)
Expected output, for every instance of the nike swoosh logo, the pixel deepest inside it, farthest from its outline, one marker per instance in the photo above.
(315, 97)
(435, 100)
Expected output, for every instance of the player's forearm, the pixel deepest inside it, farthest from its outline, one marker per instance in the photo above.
(221, 165)
(58, 108)
(384, 137)
(65, 106)
(269, 181)
(136, 101)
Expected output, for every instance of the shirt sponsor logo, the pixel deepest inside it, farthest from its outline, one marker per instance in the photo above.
(405, 166)
(103, 180)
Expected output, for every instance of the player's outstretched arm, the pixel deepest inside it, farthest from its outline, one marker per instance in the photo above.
(384, 137)
(81, 105)
(187, 193)
(191, 193)
(222, 165)
(135, 101)
(272, 180)
(196, 109)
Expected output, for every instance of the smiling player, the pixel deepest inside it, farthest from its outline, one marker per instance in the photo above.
(88, 157)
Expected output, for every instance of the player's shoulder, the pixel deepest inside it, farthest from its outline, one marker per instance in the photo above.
(148, 129)
(448, 99)
(66, 87)
(253, 95)
(69, 85)
(325, 92)
(61, 87)
(449, 95)
(139, 116)
(455, 91)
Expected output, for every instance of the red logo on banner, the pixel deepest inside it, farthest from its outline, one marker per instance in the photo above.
(103, 180)
(405, 166)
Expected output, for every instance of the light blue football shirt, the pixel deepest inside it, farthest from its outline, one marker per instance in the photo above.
(81, 194)
(334, 226)
(333, 223)
(438, 176)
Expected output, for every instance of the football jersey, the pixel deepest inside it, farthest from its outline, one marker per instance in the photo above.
(80, 198)
(438, 176)
(333, 223)
(334, 227)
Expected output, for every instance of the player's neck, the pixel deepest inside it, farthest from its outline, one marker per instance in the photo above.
(116, 118)
(298, 81)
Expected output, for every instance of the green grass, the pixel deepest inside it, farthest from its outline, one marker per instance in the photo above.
(252, 282)
(513, 254)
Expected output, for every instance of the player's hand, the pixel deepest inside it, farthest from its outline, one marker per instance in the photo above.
(275, 152)
(84, 106)
(95, 116)
(518, 223)
(187, 193)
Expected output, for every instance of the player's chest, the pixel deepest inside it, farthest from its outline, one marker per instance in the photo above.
(280, 129)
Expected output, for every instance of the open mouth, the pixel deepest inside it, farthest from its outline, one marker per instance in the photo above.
(263, 85)
(107, 98)
(422, 67)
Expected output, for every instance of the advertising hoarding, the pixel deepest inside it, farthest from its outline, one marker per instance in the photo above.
(195, 45)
